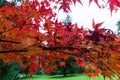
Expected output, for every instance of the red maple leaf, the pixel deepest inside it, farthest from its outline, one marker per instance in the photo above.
(96, 1)
(96, 26)
(112, 4)
(74, 1)
(65, 5)
(81, 62)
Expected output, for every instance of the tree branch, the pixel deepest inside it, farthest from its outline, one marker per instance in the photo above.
(10, 41)
(56, 49)
(65, 47)
(24, 50)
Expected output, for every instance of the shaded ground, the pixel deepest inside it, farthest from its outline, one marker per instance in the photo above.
(59, 77)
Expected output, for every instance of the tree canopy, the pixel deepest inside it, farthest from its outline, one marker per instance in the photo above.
(22, 38)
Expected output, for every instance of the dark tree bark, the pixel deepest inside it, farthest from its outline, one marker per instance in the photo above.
(64, 71)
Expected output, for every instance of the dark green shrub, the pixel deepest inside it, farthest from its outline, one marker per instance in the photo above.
(3, 3)
(9, 72)
(70, 68)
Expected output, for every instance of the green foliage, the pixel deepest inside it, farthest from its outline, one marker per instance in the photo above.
(10, 71)
(3, 3)
(118, 30)
(67, 20)
(16, 2)
(70, 68)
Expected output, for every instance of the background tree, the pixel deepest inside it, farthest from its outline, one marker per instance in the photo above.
(3, 2)
(16, 2)
(71, 67)
(118, 30)
(67, 20)
(10, 71)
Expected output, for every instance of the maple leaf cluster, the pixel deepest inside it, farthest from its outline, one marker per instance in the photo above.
(22, 39)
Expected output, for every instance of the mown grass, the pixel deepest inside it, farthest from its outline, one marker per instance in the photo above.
(58, 77)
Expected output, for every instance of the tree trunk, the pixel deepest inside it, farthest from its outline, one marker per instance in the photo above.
(64, 71)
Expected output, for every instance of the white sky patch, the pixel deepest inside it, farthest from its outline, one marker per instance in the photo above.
(83, 15)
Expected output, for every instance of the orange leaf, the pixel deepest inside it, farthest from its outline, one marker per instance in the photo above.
(62, 64)
(118, 65)
(117, 39)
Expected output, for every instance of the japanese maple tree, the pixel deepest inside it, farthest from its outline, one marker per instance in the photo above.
(21, 38)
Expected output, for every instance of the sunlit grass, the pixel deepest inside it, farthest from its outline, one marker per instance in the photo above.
(75, 77)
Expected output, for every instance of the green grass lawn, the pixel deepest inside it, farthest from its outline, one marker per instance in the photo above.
(75, 77)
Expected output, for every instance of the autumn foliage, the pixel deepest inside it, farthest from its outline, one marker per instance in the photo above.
(32, 33)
